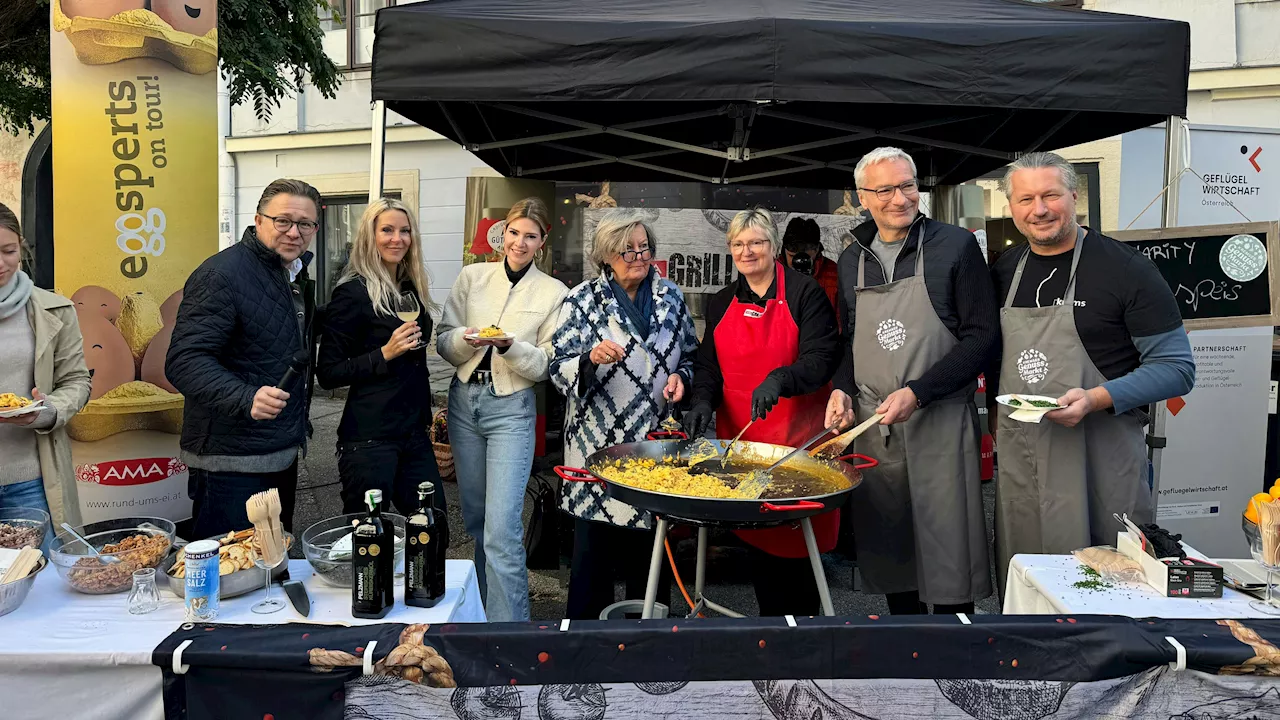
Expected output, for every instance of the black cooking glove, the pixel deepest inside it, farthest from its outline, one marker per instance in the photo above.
(766, 395)
(697, 420)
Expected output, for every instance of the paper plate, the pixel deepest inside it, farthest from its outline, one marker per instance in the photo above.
(1023, 413)
(18, 412)
(476, 336)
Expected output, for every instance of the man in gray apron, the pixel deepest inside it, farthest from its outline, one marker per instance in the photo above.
(922, 327)
(1060, 480)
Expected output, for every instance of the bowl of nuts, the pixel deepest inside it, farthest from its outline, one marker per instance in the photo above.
(20, 527)
(116, 548)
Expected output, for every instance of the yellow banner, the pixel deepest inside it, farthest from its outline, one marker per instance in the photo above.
(135, 173)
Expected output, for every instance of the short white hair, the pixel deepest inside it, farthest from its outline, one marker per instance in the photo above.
(760, 219)
(879, 155)
(1036, 161)
(613, 234)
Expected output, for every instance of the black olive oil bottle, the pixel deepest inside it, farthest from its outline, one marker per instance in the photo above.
(424, 562)
(372, 561)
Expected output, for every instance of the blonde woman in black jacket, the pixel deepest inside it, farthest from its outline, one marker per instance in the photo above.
(382, 439)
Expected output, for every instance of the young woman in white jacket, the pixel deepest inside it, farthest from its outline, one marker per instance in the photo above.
(491, 402)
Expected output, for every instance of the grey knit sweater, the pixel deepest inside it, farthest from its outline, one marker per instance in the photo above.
(19, 457)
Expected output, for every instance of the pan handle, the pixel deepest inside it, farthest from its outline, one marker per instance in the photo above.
(870, 462)
(802, 505)
(571, 474)
(667, 435)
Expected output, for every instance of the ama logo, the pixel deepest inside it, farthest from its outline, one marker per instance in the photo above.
(1252, 156)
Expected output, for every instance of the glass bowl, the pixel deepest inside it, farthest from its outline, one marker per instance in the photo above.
(1269, 605)
(88, 574)
(335, 567)
(26, 526)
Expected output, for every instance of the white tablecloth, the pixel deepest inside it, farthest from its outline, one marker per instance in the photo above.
(64, 654)
(1042, 585)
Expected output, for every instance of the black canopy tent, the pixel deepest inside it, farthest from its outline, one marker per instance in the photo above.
(789, 91)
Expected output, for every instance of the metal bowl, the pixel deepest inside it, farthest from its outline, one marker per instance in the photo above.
(319, 539)
(12, 595)
(34, 518)
(231, 585)
(96, 577)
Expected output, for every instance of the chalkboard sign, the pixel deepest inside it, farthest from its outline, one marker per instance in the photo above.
(1221, 275)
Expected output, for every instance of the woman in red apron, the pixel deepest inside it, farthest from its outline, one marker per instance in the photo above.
(768, 353)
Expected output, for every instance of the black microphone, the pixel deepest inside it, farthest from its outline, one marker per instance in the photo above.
(297, 366)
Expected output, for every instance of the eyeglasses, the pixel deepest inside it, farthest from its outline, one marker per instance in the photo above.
(756, 246)
(633, 255)
(284, 225)
(910, 188)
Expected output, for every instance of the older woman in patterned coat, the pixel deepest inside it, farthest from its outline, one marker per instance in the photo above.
(623, 354)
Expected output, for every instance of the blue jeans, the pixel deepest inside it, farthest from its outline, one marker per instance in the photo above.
(29, 494)
(492, 439)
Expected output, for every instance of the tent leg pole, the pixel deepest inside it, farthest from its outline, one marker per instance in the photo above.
(1174, 160)
(377, 149)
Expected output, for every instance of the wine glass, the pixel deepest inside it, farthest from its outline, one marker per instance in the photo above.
(269, 604)
(1269, 606)
(408, 310)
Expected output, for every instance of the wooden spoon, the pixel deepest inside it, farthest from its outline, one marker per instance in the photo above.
(843, 440)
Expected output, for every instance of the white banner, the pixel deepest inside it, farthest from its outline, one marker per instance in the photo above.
(1239, 168)
(691, 247)
(1217, 441)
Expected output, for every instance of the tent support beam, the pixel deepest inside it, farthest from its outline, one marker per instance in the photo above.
(587, 129)
(1052, 131)
(888, 134)
(620, 130)
(592, 163)
(636, 163)
(377, 149)
(749, 154)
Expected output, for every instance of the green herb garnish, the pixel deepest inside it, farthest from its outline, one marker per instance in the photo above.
(1034, 403)
(1093, 581)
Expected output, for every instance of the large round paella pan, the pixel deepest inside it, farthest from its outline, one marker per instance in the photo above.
(802, 487)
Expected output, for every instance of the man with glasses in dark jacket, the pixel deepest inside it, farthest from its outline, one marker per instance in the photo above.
(919, 323)
(245, 320)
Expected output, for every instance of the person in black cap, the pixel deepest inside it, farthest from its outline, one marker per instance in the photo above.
(802, 252)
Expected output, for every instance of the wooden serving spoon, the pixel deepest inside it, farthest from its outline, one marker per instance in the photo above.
(840, 442)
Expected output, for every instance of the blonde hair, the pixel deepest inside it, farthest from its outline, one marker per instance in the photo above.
(365, 261)
(614, 232)
(760, 219)
(534, 209)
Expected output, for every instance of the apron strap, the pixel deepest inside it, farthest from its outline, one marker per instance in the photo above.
(1069, 296)
(920, 253)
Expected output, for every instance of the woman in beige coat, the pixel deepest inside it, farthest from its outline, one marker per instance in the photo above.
(42, 357)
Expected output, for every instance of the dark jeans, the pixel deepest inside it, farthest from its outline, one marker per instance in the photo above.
(601, 554)
(218, 498)
(784, 586)
(396, 467)
(908, 603)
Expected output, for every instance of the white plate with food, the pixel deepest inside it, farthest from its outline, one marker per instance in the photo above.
(12, 406)
(1029, 408)
(490, 333)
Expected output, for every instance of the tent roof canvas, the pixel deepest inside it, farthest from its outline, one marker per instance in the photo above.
(786, 92)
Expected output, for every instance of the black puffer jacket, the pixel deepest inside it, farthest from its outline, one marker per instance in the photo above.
(237, 331)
